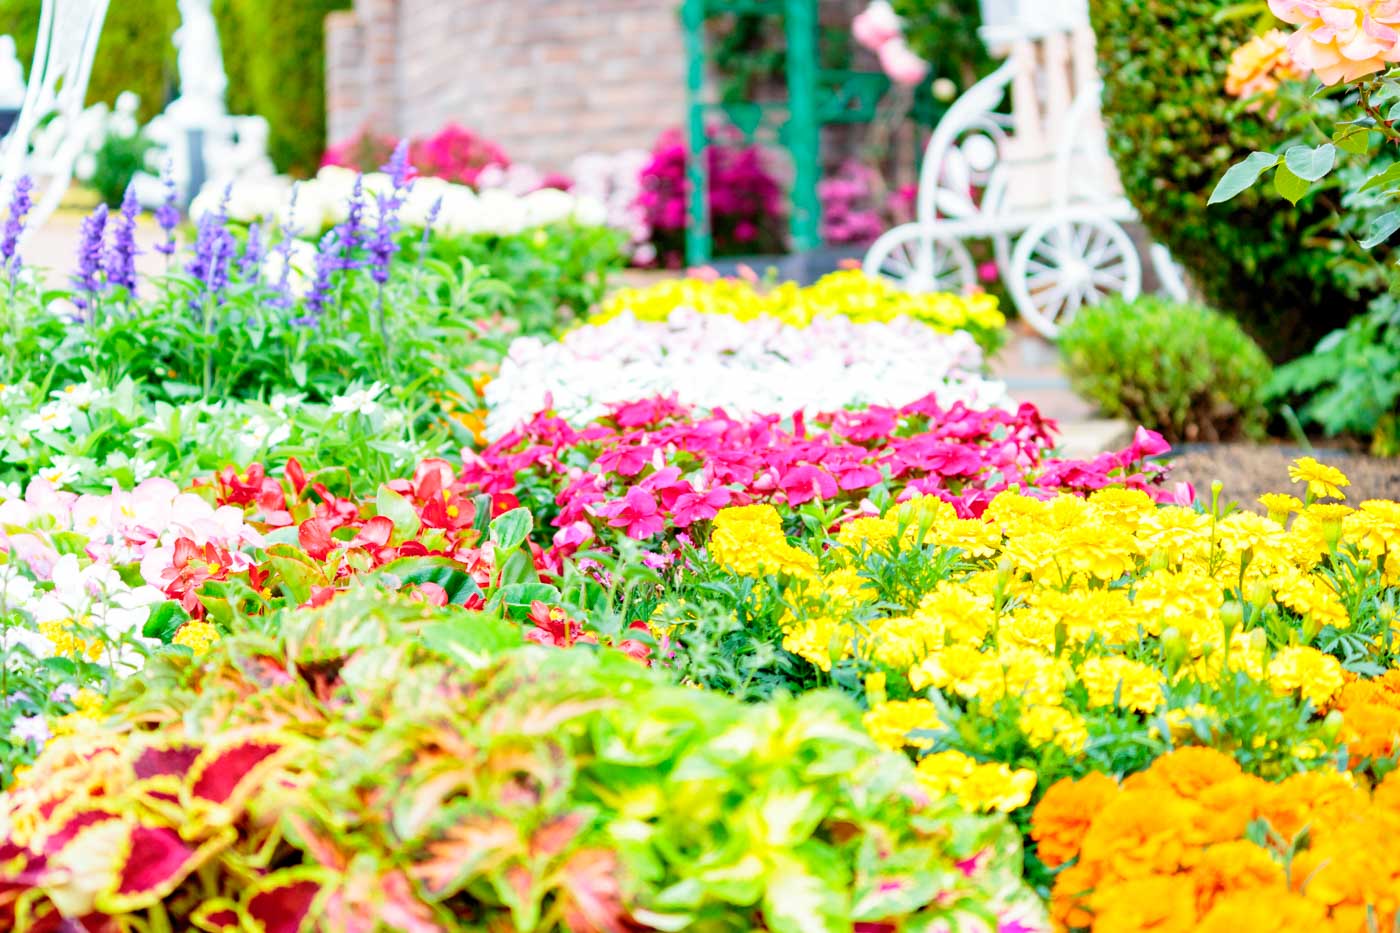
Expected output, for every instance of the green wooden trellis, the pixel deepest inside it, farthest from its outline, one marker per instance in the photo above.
(816, 97)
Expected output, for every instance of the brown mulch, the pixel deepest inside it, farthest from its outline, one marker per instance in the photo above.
(1249, 470)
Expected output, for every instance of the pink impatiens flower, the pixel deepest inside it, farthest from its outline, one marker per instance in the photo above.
(636, 512)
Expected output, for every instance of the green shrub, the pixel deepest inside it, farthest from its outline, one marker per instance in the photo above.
(1174, 132)
(1351, 383)
(117, 161)
(274, 53)
(1184, 370)
(276, 59)
(135, 54)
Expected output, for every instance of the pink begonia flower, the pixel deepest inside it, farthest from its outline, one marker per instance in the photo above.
(574, 534)
(1342, 40)
(876, 25)
(902, 65)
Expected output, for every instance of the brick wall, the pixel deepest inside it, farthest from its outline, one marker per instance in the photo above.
(547, 79)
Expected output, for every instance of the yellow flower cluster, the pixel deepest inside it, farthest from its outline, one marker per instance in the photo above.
(1071, 606)
(977, 786)
(199, 637)
(851, 294)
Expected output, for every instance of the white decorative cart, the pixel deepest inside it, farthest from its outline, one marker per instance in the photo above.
(1038, 182)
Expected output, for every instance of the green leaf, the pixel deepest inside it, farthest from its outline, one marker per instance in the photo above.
(1242, 175)
(471, 639)
(443, 571)
(165, 621)
(1354, 138)
(295, 571)
(1382, 228)
(519, 567)
(510, 530)
(398, 510)
(799, 900)
(1309, 163)
(1289, 186)
(1385, 179)
(521, 595)
(483, 504)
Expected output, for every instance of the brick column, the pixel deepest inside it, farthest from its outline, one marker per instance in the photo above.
(345, 44)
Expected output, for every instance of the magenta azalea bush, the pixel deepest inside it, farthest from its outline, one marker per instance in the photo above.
(745, 199)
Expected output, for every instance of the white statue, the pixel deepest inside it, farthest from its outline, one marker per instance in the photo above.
(203, 82)
(231, 148)
(12, 83)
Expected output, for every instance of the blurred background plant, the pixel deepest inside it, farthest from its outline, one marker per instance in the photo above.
(1186, 371)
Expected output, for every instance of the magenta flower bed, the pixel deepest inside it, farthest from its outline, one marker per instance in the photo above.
(651, 469)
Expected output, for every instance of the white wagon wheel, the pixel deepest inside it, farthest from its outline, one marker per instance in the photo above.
(918, 261)
(1062, 263)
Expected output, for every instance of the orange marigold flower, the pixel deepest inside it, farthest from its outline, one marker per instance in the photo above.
(1186, 771)
(1275, 910)
(1065, 813)
(1160, 903)
(1230, 867)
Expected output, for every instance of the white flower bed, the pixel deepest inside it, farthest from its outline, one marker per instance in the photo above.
(716, 361)
(324, 201)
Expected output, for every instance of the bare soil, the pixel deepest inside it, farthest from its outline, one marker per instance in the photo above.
(1250, 470)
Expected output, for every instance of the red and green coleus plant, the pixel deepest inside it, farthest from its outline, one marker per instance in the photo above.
(430, 536)
(384, 764)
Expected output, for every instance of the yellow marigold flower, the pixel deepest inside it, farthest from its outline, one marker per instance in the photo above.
(814, 640)
(976, 538)
(1323, 480)
(1239, 532)
(899, 642)
(748, 540)
(1177, 533)
(953, 613)
(1280, 505)
(1130, 684)
(1310, 596)
(874, 533)
(1316, 676)
(1126, 506)
(984, 787)
(1183, 723)
(1054, 725)
(890, 723)
(199, 637)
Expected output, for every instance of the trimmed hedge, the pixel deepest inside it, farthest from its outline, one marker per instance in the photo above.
(1174, 132)
(275, 54)
(1184, 370)
(135, 54)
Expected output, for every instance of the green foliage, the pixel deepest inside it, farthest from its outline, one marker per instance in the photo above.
(944, 33)
(555, 274)
(1184, 370)
(1351, 383)
(275, 56)
(535, 789)
(135, 54)
(118, 160)
(1283, 273)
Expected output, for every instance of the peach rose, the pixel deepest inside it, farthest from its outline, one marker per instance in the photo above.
(1342, 40)
(1260, 64)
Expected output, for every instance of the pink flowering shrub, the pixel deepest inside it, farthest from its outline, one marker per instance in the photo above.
(847, 196)
(745, 200)
(656, 468)
(453, 153)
